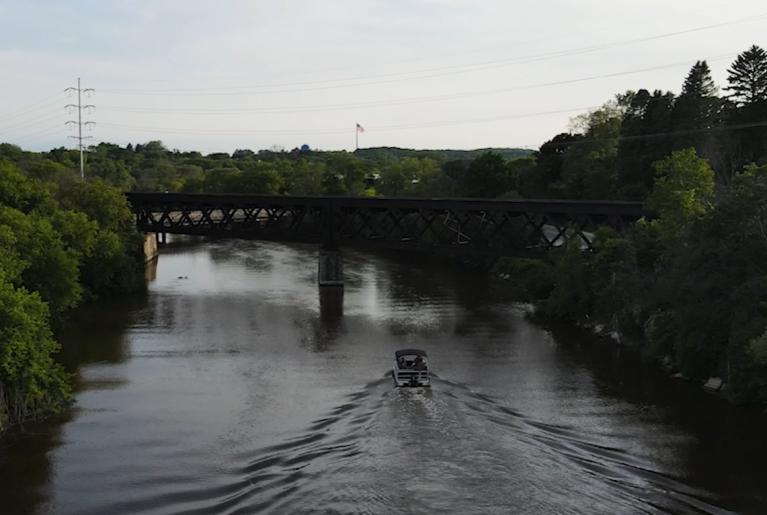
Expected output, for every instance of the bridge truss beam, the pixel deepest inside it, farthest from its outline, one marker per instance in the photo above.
(522, 228)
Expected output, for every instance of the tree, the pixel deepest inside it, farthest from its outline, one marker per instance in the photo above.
(748, 77)
(77, 232)
(153, 150)
(241, 154)
(393, 181)
(550, 158)
(111, 171)
(453, 173)
(347, 169)
(53, 269)
(589, 168)
(696, 112)
(715, 281)
(412, 176)
(30, 380)
(101, 203)
(50, 171)
(258, 182)
(22, 193)
(488, 176)
(522, 172)
(645, 137)
(683, 191)
(305, 178)
(747, 80)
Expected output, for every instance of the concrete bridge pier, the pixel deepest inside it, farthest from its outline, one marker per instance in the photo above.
(330, 269)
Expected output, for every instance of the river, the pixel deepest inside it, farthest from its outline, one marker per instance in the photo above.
(232, 388)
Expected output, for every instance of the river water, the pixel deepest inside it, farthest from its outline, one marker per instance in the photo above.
(232, 388)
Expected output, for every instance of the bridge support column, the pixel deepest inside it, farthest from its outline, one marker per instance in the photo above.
(330, 269)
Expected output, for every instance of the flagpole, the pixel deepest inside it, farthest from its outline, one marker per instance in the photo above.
(357, 137)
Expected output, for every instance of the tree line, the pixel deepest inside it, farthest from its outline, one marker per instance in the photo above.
(688, 285)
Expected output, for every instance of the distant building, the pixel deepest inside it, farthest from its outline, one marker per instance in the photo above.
(371, 180)
(305, 148)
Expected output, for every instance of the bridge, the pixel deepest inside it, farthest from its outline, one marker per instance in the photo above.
(518, 227)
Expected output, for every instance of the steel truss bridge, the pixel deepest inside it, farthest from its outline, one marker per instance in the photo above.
(521, 228)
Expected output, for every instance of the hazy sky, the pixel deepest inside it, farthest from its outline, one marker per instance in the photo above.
(462, 74)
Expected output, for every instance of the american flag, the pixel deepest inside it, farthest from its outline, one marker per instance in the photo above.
(359, 128)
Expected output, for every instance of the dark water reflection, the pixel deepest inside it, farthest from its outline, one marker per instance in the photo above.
(235, 386)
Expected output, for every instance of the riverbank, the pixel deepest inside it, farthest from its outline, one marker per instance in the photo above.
(601, 328)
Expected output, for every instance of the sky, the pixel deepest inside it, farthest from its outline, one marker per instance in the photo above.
(422, 74)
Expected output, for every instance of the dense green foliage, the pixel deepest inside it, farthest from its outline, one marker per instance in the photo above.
(59, 245)
(398, 154)
(689, 284)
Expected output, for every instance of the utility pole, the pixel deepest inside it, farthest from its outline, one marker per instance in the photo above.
(88, 92)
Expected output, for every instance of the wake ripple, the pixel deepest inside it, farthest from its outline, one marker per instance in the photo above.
(634, 479)
(445, 449)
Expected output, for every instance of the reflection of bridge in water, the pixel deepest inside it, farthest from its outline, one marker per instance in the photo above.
(520, 228)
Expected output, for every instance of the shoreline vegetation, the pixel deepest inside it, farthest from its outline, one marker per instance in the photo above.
(689, 287)
(61, 245)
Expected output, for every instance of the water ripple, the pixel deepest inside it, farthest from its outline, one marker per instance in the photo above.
(384, 448)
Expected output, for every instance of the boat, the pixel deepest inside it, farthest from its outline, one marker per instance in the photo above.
(411, 368)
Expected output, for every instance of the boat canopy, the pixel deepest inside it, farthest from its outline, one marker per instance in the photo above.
(410, 352)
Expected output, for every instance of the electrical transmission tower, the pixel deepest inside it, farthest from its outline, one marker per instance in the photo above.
(87, 92)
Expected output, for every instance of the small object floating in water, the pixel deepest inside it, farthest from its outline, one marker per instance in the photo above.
(410, 368)
(184, 277)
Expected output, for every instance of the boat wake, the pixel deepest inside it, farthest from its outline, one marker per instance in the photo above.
(434, 450)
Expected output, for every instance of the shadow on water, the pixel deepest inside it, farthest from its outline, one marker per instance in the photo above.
(325, 329)
(322, 330)
(181, 244)
(26, 470)
(418, 277)
(718, 426)
(93, 334)
(96, 333)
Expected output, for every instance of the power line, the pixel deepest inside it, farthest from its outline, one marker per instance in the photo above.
(394, 127)
(292, 132)
(306, 132)
(39, 134)
(228, 91)
(719, 128)
(303, 109)
(23, 125)
(88, 92)
(418, 59)
(27, 109)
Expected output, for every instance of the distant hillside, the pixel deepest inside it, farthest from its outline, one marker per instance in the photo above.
(386, 153)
